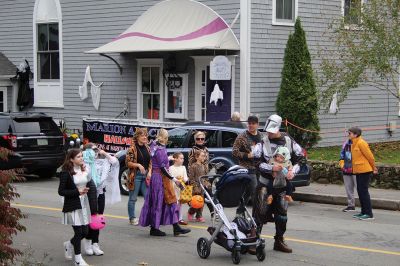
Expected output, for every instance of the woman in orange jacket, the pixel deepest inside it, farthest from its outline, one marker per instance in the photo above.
(363, 164)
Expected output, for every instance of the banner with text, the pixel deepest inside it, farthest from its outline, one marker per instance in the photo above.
(111, 137)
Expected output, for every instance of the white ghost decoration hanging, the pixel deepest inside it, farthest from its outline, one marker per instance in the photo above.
(95, 90)
(216, 95)
(333, 108)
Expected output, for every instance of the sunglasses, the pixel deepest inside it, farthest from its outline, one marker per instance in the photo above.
(200, 139)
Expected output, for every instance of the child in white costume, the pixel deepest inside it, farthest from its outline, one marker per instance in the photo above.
(105, 169)
(178, 170)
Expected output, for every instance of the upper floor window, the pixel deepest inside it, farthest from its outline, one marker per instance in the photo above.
(48, 54)
(352, 11)
(284, 12)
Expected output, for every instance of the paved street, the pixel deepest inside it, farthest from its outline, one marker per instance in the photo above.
(319, 235)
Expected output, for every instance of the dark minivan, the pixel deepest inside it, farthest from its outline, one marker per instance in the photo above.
(36, 141)
(220, 137)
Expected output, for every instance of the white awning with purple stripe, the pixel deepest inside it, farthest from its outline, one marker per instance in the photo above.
(174, 25)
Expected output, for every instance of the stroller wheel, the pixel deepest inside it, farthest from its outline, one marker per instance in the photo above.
(235, 256)
(260, 253)
(203, 248)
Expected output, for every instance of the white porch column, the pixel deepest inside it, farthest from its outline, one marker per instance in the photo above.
(245, 37)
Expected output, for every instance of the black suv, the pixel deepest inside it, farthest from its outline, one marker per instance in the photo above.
(36, 140)
(219, 140)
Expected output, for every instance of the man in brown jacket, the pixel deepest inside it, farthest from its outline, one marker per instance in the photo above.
(243, 151)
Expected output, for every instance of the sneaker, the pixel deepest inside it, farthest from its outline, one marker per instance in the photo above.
(349, 209)
(200, 220)
(358, 215)
(182, 222)
(366, 217)
(87, 247)
(135, 221)
(190, 217)
(68, 250)
(96, 250)
(79, 261)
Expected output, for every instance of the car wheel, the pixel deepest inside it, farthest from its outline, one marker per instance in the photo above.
(123, 180)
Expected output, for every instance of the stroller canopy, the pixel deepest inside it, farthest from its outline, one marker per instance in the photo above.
(232, 185)
(234, 174)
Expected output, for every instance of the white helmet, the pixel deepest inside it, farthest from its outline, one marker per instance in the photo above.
(273, 123)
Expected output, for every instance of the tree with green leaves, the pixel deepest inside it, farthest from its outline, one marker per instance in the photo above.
(297, 99)
(366, 50)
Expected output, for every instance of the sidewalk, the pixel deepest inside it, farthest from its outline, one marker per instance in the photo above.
(387, 199)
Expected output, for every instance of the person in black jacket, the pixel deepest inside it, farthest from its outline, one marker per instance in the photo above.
(79, 193)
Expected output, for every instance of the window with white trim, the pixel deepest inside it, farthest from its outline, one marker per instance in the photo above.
(176, 96)
(48, 71)
(352, 11)
(48, 54)
(203, 95)
(284, 12)
(149, 89)
(151, 92)
(3, 99)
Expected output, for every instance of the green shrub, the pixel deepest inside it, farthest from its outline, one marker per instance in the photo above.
(297, 99)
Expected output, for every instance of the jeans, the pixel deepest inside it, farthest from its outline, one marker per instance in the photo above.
(140, 185)
(363, 194)
(349, 184)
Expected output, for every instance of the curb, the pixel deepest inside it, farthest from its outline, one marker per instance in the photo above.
(385, 204)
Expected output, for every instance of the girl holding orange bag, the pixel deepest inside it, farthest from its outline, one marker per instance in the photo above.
(196, 170)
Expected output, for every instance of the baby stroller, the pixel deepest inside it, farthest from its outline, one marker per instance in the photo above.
(239, 236)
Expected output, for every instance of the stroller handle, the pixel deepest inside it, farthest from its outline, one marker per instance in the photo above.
(210, 178)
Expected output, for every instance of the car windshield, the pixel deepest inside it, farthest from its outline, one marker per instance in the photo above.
(176, 137)
(211, 138)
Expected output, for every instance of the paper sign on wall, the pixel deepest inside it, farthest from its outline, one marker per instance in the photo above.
(220, 68)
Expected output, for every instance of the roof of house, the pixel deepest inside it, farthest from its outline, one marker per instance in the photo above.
(6, 67)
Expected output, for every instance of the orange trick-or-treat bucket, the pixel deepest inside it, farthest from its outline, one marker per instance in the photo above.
(197, 202)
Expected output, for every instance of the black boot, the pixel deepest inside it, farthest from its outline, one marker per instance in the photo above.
(156, 232)
(280, 245)
(179, 230)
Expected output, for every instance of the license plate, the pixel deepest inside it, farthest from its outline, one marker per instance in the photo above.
(42, 142)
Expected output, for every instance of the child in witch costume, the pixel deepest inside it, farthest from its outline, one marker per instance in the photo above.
(160, 206)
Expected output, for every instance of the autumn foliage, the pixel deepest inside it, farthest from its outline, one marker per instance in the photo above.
(9, 216)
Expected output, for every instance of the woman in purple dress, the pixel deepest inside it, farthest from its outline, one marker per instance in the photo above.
(160, 206)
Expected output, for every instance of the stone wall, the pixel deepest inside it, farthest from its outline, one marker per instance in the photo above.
(325, 172)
